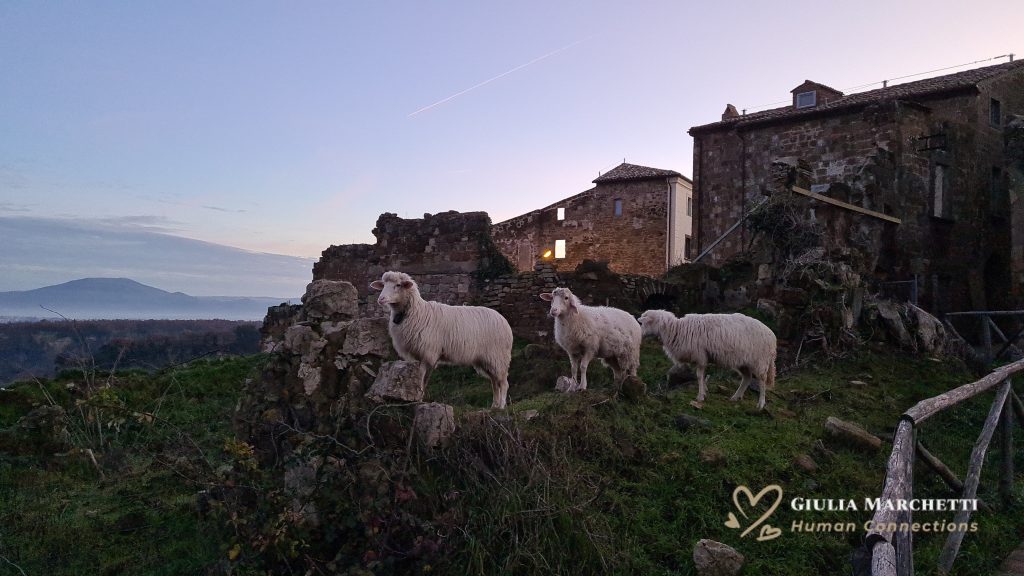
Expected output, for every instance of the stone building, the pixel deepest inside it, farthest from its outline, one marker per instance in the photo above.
(929, 156)
(635, 218)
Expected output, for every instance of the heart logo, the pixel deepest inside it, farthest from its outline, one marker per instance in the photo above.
(767, 532)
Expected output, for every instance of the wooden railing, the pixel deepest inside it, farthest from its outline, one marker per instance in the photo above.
(891, 551)
(987, 327)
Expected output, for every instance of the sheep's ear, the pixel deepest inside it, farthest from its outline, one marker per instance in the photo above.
(407, 284)
(377, 285)
(571, 300)
(545, 296)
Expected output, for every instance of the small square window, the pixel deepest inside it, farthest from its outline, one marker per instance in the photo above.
(689, 206)
(806, 99)
(561, 213)
(618, 206)
(995, 113)
(559, 248)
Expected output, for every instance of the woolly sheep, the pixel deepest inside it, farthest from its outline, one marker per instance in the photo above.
(432, 332)
(728, 340)
(588, 332)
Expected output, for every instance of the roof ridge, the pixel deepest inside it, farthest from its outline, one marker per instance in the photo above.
(916, 88)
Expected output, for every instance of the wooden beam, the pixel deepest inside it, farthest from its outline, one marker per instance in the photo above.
(952, 546)
(1006, 448)
(947, 475)
(927, 408)
(987, 313)
(897, 486)
(883, 559)
(846, 205)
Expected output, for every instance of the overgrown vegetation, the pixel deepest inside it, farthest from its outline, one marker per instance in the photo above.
(130, 506)
(590, 484)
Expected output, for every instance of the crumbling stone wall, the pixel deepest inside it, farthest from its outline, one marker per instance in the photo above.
(453, 259)
(446, 253)
(516, 296)
(879, 157)
(634, 242)
(1014, 135)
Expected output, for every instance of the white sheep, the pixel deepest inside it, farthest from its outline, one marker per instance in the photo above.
(728, 340)
(432, 332)
(588, 332)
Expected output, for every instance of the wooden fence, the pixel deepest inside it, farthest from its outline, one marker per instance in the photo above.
(891, 551)
(987, 327)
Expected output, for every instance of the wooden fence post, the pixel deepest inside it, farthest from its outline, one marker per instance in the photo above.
(952, 546)
(1006, 447)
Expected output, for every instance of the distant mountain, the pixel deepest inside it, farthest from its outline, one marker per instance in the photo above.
(45, 251)
(122, 298)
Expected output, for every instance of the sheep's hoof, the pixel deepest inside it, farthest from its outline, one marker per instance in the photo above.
(735, 398)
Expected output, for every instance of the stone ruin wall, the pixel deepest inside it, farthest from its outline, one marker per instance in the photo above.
(453, 260)
(441, 251)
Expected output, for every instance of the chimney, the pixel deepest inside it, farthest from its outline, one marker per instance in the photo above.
(730, 112)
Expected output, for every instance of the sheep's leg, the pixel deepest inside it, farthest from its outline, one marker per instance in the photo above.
(427, 369)
(584, 362)
(761, 386)
(499, 389)
(575, 361)
(702, 389)
(744, 383)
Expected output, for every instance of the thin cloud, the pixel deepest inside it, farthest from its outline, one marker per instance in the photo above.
(489, 80)
(10, 207)
(219, 209)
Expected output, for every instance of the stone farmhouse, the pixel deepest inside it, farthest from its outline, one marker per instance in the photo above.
(927, 166)
(638, 219)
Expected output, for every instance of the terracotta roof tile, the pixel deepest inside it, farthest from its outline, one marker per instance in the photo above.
(909, 90)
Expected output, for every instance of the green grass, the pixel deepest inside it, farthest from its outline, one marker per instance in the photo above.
(58, 515)
(592, 484)
(657, 497)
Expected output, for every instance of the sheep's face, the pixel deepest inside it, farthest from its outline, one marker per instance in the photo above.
(652, 321)
(562, 302)
(395, 289)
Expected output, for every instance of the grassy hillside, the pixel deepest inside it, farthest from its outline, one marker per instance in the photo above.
(591, 484)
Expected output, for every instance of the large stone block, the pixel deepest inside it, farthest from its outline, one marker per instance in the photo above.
(399, 380)
(368, 336)
(433, 424)
(330, 300)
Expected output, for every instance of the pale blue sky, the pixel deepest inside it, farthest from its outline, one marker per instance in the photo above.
(286, 127)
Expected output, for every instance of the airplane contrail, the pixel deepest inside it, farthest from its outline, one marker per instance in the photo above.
(489, 80)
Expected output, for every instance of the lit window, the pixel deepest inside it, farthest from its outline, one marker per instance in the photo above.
(806, 99)
(995, 113)
(559, 248)
(618, 206)
(561, 213)
(689, 206)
